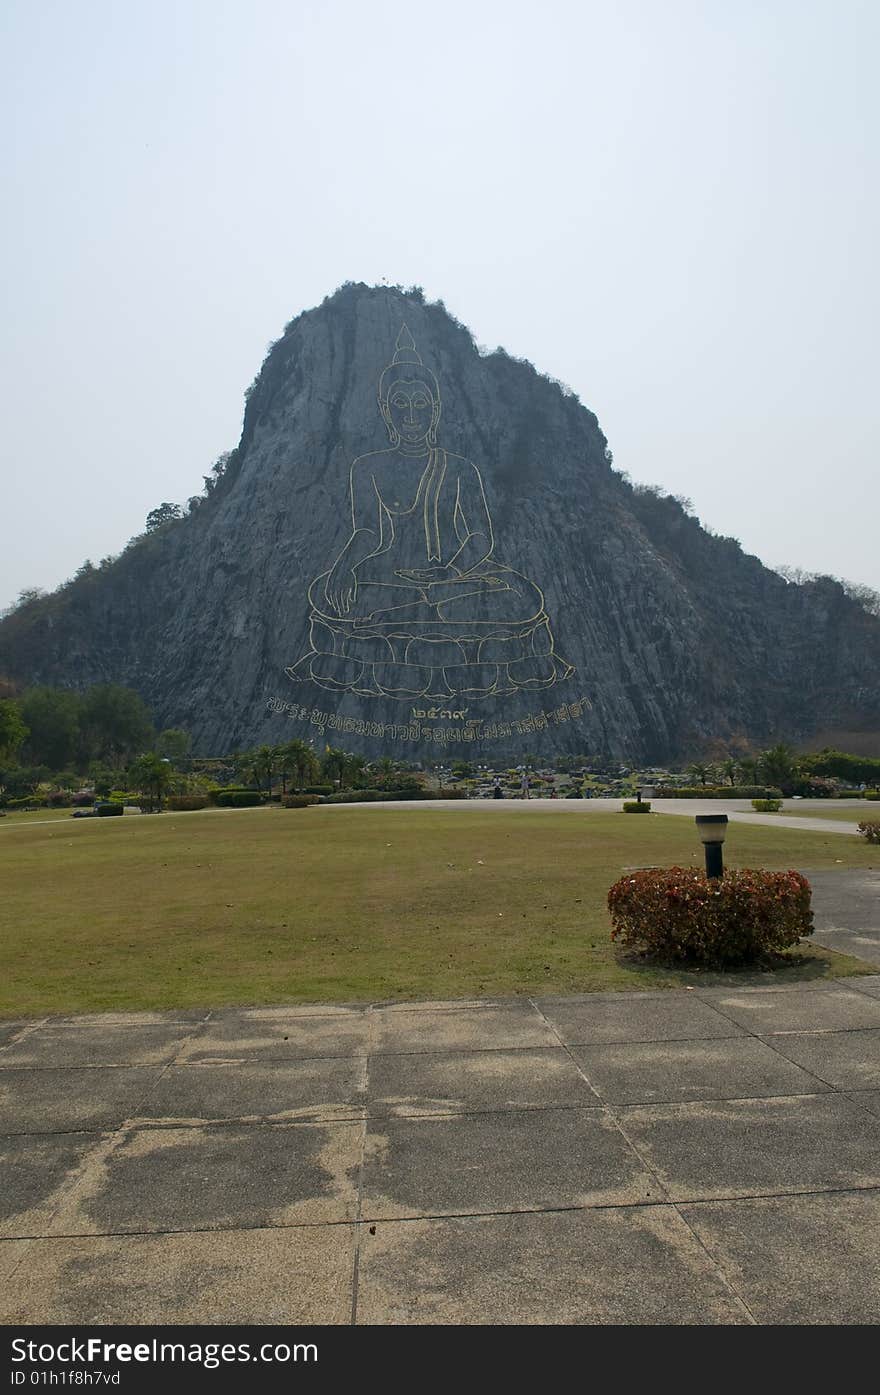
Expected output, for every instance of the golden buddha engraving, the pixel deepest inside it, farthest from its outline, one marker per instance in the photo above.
(417, 604)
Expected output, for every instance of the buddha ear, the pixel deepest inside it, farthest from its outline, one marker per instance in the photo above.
(393, 433)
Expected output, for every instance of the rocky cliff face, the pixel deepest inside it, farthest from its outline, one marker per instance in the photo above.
(481, 582)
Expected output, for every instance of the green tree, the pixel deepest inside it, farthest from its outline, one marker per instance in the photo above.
(174, 743)
(53, 716)
(699, 772)
(299, 760)
(729, 768)
(165, 513)
(384, 768)
(780, 766)
(13, 730)
(333, 765)
(841, 765)
(115, 724)
(262, 764)
(151, 775)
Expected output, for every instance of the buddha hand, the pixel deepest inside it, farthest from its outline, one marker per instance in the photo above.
(427, 576)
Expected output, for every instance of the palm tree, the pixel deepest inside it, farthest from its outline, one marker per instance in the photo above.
(699, 771)
(151, 775)
(334, 764)
(298, 759)
(385, 767)
(262, 764)
(780, 766)
(729, 769)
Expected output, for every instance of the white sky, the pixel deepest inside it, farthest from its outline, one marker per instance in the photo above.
(671, 205)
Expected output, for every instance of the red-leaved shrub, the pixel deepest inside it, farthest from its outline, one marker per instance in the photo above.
(871, 831)
(678, 913)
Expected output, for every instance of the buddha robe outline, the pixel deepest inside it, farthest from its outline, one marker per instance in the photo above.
(417, 604)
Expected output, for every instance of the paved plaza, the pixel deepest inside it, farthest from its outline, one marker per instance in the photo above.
(696, 1156)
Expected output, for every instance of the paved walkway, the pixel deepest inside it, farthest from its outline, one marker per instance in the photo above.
(846, 905)
(737, 810)
(708, 1156)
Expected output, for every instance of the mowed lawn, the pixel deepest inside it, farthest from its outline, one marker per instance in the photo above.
(272, 905)
(868, 812)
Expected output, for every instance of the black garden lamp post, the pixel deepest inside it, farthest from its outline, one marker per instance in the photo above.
(712, 828)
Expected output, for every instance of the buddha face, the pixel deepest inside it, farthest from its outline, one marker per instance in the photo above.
(409, 411)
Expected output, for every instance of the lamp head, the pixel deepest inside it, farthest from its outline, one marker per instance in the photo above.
(712, 828)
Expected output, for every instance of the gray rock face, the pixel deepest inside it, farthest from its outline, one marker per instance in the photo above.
(423, 551)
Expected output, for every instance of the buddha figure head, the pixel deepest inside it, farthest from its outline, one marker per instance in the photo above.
(409, 398)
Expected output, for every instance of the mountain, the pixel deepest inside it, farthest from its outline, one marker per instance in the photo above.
(423, 550)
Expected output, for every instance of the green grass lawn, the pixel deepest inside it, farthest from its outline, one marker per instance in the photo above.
(869, 812)
(275, 905)
(11, 816)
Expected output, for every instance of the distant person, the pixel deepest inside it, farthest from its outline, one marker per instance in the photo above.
(524, 786)
(498, 792)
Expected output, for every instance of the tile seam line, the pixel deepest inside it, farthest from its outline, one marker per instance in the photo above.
(560, 1046)
(647, 1167)
(770, 1040)
(356, 1260)
(141, 1125)
(415, 1217)
(715, 1267)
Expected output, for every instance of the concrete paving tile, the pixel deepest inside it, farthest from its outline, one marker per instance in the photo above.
(868, 1099)
(464, 1029)
(427, 1083)
(800, 1010)
(278, 1090)
(250, 1276)
(801, 1259)
(186, 1016)
(278, 1037)
(267, 1014)
(217, 1177)
(448, 1005)
(459, 1163)
(631, 1017)
(649, 1072)
(90, 1097)
(36, 1169)
(97, 1044)
(620, 1265)
(867, 983)
(846, 1060)
(748, 1147)
(9, 1031)
(12, 1255)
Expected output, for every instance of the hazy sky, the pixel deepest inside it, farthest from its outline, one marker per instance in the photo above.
(671, 206)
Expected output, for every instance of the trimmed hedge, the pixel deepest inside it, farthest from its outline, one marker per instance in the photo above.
(238, 799)
(871, 794)
(300, 801)
(767, 806)
(632, 806)
(871, 831)
(105, 811)
(717, 792)
(181, 803)
(678, 914)
(378, 796)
